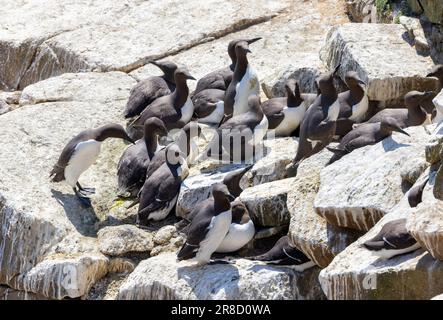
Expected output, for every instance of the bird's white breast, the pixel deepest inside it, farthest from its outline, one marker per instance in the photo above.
(359, 110)
(333, 111)
(216, 115)
(164, 212)
(292, 119)
(218, 228)
(187, 111)
(387, 254)
(84, 156)
(237, 237)
(260, 130)
(439, 107)
(248, 85)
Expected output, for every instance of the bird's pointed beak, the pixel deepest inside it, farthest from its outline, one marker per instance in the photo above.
(248, 50)
(398, 129)
(431, 74)
(253, 40)
(188, 76)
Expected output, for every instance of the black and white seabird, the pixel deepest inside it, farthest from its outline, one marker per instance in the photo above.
(208, 97)
(232, 181)
(413, 115)
(282, 253)
(286, 113)
(392, 240)
(354, 104)
(147, 90)
(415, 194)
(220, 79)
(212, 219)
(241, 230)
(240, 133)
(133, 164)
(160, 190)
(80, 153)
(244, 83)
(364, 135)
(318, 126)
(175, 109)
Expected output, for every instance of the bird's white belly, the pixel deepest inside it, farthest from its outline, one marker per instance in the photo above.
(218, 228)
(302, 267)
(216, 116)
(260, 130)
(84, 156)
(163, 213)
(359, 110)
(291, 121)
(249, 85)
(333, 111)
(387, 254)
(237, 237)
(187, 111)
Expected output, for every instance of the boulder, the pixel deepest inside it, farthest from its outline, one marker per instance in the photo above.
(40, 219)
(357, 190)
(163, 235)
(309, 232)
(123, 239)
(362, 10)
(266, 203)
(294, 35)
(416, 33)
(162, 277)
(4, 107)
(357, 48)
(106, 36)
(356, 273)
(426, 221)
(7, 293)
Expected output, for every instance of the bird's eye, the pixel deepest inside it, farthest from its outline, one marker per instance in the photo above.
(177, 154)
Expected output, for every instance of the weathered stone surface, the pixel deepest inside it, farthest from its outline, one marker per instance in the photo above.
(277, 154)
(106, 36)
(4, 107)
(198, 188)
(356, 273)
(309, 232)
(162, 277)
(7, 293)
(416, 33)
(36, 216)
(120, 240)
(357, 48)
(165, 234)
(294, 36)
(415, 6)
(362, 10)
(357, 190)
(10, 97)
(305, 72)
(266, 203)
(433, 9)
(425, 223)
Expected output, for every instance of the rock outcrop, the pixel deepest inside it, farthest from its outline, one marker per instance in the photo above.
(391, 70)
(357, 273)
(162, 277)
(359, 189)
(44, 230)
(308, 231)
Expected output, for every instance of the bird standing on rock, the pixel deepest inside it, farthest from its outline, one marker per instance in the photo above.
(318, 126)
(436, 72)
(160, 190)
(244, 83)
(80, 153)
(286, 113)
(146, 91)
(364, 135)
(211, 222)
(175, 109)
(133, 164)
(354, 104)
(413, 115)
(208, 97)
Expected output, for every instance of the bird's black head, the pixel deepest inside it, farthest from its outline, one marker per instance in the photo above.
(437, 72)
(112, 130)
(233, 43)
(353, 80)
(240, 213)
(325, 82)
(155, 126)
(167, 67)
(221, 197)
(242, 49)
(415, 98)
(181, 75)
